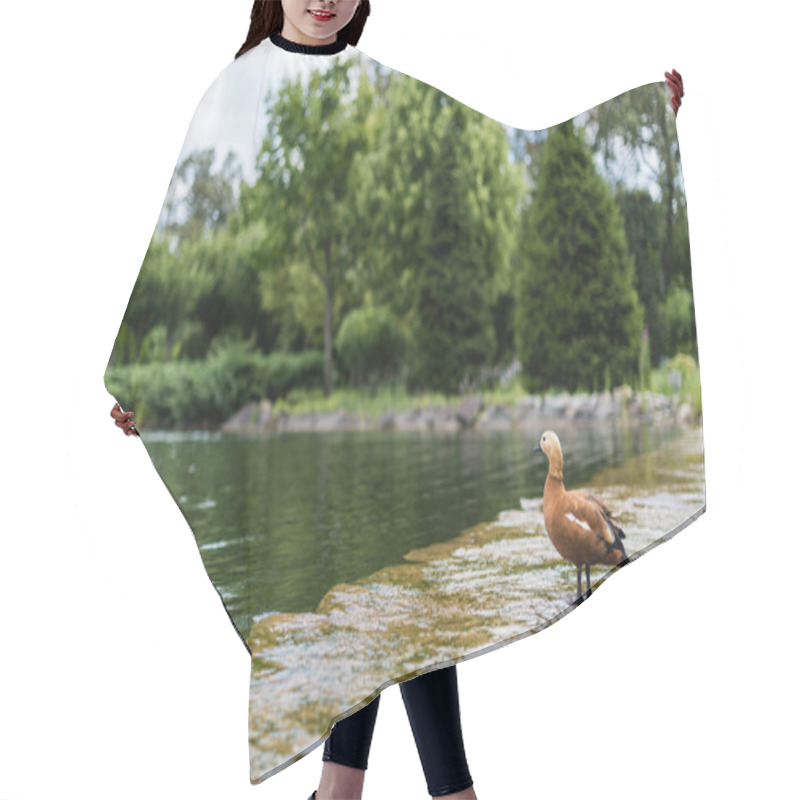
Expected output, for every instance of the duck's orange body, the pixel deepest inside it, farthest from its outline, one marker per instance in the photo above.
(581, 527)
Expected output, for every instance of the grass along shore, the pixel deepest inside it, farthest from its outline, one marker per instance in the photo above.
(363, 402)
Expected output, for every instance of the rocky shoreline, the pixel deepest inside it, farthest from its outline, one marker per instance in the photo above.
(622, 404)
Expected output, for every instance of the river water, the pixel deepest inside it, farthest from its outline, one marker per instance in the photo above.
(282, 518)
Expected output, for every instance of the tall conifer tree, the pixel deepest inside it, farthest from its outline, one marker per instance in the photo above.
(578, 320)
(454, 330)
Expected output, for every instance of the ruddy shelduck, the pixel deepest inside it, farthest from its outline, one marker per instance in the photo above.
(580, 526)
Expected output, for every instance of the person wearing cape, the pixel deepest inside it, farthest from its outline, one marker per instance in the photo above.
(335, 225)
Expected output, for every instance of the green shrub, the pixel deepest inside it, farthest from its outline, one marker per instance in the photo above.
(280, 372)
(679, 312)
(371, 345)
(689, 371)
(202, 394)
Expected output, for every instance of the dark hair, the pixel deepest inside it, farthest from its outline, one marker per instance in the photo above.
(266, 18)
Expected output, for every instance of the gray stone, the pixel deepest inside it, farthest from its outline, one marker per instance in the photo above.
(496, 417)
(468, 410)
(685, 415)
(557, 404)
(264, 413)
(579, 406)
(242, 420)
(531, 412)
(386, 420)
(408, 418)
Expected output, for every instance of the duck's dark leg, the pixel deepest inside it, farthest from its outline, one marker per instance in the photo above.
(579, 581)
(588, 581)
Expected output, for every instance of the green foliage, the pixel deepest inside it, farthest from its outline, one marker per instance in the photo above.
(644, 360)
(689, 391)
(679, 312)
(281, 372)
(306, 185)
(578, 320)
(503, 314)
(644, 230)
(437, 199)
(154, 345)
(159, 312)
(209, 198)
(380, 190)
(371, 345)
(639, 126)
(199, 394)
(229, 302)
(453, 325)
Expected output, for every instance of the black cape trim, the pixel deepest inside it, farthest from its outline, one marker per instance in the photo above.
(309, 49)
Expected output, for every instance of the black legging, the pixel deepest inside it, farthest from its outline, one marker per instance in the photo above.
(432, 706)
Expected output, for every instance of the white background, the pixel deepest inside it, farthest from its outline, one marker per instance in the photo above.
(120, 674)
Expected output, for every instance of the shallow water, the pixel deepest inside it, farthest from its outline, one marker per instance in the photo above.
(282, 518)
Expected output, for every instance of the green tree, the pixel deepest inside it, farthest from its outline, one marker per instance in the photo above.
(208, 200)
(578, 320)
(228, 305)
(454, 330)
(437, 183)
(644, 232)
(679, 313)
(305, 186)
(161, 304)
(644, 123)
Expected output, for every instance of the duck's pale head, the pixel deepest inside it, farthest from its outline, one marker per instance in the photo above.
(550, 445)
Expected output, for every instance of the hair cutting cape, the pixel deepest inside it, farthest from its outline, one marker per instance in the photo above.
(362, 305)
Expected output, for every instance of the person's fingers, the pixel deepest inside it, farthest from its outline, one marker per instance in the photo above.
(125, 421)
(119, 414)
(675, 81)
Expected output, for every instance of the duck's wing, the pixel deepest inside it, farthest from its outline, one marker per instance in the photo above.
(581, 522)
(616, 534)
(608, 515)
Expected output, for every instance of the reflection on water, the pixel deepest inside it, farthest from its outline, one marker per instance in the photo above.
(282, 518)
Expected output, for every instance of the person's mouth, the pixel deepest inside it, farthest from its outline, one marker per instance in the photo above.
(321, 15)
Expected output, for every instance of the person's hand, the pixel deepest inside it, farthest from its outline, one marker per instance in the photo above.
(675, 82)
(124, 420)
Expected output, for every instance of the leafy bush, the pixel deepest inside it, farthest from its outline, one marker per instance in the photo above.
(371, 345)
(679, 311)
(202, 394)
(688, 390)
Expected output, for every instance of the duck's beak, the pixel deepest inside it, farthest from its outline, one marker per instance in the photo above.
(537, 449)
